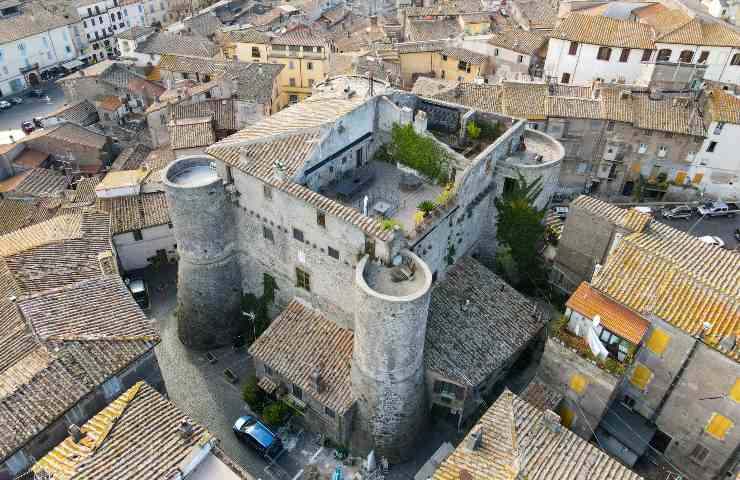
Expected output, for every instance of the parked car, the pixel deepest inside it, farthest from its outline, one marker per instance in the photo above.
(140, 291)
(561, 212)
(715, 209)
(36, 92)
(27, 127)
(4, 105)
(712, 240)
(256, 434)
(44, 98)
(16, 100)
(642, 209)
(682, 211)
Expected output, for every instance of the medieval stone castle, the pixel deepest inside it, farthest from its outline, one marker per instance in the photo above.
(301, 197)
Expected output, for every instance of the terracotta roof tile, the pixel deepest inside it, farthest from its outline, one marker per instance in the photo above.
(518, 442)
(614, 317)
(191, 132)
(302, 339)
(136, 212)
(471, 333)
(597, 30)
(518, 40)
(113, 446)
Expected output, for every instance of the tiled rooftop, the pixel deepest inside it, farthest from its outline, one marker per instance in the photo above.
(136, 212)
(112, 446)
(521, 441)
(302, 339)
(75, 347)
(191, 132)
(477, 322)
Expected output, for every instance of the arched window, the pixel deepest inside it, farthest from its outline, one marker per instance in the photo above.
(686, 56)
(664, 54)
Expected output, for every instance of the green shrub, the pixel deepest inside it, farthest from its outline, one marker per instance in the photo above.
(275, 413)
(389, 223)
(473, 131)
(490, 131)
(426, 206)
(419, 152)
(253, 395)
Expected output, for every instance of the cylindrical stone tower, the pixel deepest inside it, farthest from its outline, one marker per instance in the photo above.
(208, 279)
(388, 356)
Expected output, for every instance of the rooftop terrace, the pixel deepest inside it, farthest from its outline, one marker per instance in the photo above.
(391, 194)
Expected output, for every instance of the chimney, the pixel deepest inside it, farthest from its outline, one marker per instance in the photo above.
(185, 430)
(474, 440)
(316, 379)
(551, 420)
(75, 432)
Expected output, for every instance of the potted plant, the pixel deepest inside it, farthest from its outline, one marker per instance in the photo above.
(426, 207)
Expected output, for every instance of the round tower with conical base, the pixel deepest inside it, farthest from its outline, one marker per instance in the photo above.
(388, 356)
(209, 277)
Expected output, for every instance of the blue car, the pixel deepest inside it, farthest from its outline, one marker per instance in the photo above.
(256, 434)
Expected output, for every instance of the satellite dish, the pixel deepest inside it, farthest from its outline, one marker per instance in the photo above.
(397, 260)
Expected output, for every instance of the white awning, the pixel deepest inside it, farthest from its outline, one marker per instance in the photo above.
(72, 64)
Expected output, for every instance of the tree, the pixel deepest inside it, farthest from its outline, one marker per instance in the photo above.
(520, 232)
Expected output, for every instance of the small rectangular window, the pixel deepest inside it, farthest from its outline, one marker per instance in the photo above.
(711, 147)
(267, 234)
(267, 192)
(604, 53)
(625, 55)
(298, 234)
(309, 66)
(329, 412)
(495, 52)
(268, 370)
(565, 78)
(699, 454)
(646, 54)
(610, 126)
(572, 49)
(321, 219)
(137, 235)
(703, 56)
(302, 279)
(297, 391)
(519, 59)
(332, 253)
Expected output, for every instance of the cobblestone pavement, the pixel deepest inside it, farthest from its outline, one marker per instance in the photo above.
(199, 387)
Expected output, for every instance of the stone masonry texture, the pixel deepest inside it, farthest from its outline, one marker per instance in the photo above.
(209, 276)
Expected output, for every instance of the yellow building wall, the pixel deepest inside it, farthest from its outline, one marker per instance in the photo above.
(243, 52)
(477, 28)
(449, 70)
(416, 63)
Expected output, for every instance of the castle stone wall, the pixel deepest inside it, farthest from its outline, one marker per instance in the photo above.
(209, 278)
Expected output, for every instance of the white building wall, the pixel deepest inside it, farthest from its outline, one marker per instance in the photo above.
(48, 49)
(134, 254)
(720, 68)
(585, 67)
(720, 167)
(156, 11)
